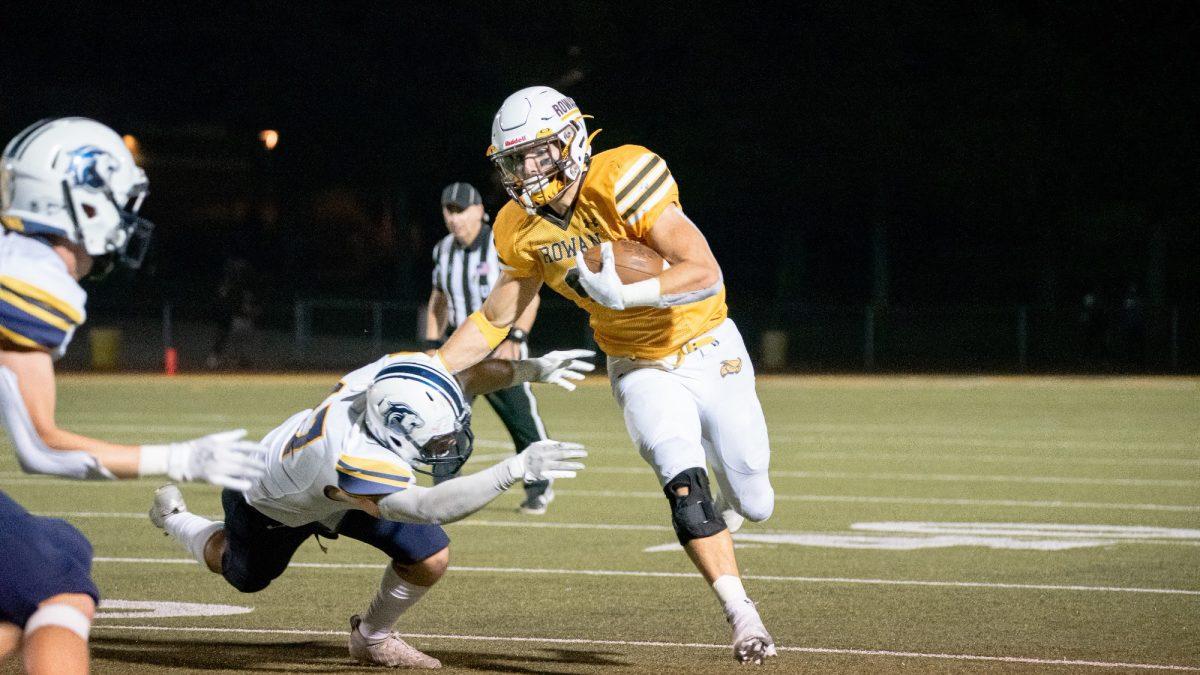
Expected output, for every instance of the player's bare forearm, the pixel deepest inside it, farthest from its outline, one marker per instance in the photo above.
(487, 376)
(468, 344)
(34, 373)
(122, 460)
(525, 321)
(693, 266)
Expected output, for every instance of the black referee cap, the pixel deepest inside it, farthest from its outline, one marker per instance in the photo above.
(461, 195)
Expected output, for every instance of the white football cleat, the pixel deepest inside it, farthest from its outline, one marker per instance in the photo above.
(390, 651)
(751, 641)
(535, 504)
(168, 500)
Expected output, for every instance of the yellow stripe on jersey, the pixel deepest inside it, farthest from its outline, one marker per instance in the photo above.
(374, 469)
(633, 174)
(34, 293)
(34, 310)
(644, 184)
(650, 201)
(12, 223)
(18, 339)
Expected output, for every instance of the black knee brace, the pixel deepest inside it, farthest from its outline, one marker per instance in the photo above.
(694, 515)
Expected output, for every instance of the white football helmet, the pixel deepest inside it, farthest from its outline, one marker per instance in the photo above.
(418, 411)
(540, 145)
(74, 178)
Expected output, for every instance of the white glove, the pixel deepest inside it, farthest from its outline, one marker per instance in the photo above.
(606, 288)
(221, 459)
(547, 460)
(559, 367)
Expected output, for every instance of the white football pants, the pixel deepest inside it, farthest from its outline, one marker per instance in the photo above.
(697, 410)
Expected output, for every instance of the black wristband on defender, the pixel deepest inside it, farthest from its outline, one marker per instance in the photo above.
(517, 335)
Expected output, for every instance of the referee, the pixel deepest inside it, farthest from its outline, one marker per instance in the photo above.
(465, 266)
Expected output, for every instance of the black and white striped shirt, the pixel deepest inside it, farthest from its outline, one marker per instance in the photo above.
(465, 275)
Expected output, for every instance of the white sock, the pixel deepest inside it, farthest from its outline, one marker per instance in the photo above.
(731, 593)
(192, 532)
(395, 596)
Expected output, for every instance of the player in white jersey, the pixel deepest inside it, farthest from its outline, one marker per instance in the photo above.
(69, 195)
(347, 468)
(69, 192)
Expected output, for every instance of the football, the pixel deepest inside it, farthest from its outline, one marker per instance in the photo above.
(635, 262)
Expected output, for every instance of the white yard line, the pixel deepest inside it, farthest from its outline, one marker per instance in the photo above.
(693, 575)
(678, 645)
(1043, 458)
(939, 477)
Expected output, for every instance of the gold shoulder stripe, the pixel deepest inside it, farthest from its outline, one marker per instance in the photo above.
(34, 293)
(12, 223)
(657, 190)
(33, 309)
(635, 173)
(645, 186)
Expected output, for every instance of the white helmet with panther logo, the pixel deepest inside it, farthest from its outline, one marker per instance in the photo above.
(417, 410)
(74, 178)
(540, 145)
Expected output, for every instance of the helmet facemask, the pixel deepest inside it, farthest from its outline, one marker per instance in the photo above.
(445, 454)
(536, 173)
(126, 243)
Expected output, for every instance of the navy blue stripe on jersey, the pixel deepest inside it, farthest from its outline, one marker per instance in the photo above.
(359, 486)
(429, 376)
(30, 327)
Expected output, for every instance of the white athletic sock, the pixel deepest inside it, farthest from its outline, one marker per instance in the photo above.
(395, 596)
(192, 532)
(732, 594)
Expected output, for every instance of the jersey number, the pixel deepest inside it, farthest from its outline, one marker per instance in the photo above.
(302, 439)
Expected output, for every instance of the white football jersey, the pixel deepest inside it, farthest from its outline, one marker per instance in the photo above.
(41, 304)
(328, 447)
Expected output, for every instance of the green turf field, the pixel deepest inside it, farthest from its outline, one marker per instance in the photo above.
(921, 524)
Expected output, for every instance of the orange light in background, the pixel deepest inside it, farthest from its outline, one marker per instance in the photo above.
(269, 138)
(135, 148)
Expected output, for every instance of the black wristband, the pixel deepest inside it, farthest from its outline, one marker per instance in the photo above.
(517, 335)
(427, 344)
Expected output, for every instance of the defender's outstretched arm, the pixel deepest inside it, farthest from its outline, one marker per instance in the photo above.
(27, 404)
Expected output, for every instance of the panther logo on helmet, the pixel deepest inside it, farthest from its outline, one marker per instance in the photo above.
(89, 195)
(90, 167)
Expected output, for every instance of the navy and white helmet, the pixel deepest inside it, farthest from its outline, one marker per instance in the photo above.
(416, 409)
(74, 178)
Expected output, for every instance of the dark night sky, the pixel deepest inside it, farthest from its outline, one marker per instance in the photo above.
(1009, 152)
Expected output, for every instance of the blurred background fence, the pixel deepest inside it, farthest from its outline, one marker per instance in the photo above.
(341, 333)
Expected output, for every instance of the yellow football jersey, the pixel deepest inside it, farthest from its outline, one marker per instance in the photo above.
(623, 194)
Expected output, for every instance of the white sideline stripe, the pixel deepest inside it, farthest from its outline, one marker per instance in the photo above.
(929, 501)
(651, 643)
(941, 477)
(994, 458)
(694, 575)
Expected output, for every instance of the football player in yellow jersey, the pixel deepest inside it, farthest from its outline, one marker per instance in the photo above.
(678, 366)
